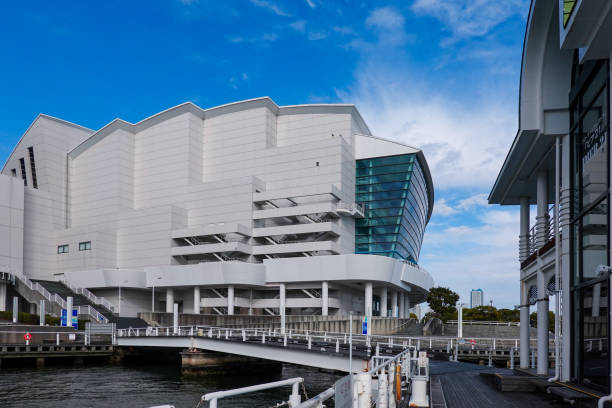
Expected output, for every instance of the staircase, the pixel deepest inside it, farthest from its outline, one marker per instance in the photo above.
(89, 304)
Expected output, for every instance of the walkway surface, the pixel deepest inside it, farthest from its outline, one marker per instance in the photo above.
(464, 388)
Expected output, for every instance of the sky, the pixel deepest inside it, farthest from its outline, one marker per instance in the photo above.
(441, 75)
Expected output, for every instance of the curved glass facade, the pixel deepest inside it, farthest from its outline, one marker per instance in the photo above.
(394, 195)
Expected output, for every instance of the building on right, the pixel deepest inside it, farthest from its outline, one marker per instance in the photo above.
(476, 298)
(559, 163)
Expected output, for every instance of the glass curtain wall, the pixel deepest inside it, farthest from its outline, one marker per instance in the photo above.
(393, 192)
(589, 121)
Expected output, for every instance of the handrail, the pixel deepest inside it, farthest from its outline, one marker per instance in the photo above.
(318, 399)
(294, 398)
(485, 322)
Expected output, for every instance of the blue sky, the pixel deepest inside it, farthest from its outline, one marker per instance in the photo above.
(441, 75)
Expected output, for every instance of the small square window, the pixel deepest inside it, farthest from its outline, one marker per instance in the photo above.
(85, 246)
(62, 249)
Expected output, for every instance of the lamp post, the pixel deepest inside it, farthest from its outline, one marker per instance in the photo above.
(460, 319)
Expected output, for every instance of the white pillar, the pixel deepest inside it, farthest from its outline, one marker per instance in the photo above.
(524, 328)
(394, 303)
(196, 300)
(282, 302)
(524, 229)
(402, 306)
(407, 306)
(324, 298)
(42, 312)
(383, 301)
(368, 304)
(175, 320)
(2, 297)
(460, 320)
(230, 300)
(69, 311)
(564, 219)
(542, 220)
(169, 300)
(542, 310)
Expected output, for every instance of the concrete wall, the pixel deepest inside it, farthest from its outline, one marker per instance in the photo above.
(11, 224)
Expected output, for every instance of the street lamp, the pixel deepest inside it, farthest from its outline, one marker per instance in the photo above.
(460, 319)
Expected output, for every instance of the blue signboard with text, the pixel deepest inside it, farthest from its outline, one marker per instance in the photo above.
(364, 325)
(74, 322)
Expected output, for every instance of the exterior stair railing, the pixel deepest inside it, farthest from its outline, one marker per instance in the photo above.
(55, 298)
(98, 300)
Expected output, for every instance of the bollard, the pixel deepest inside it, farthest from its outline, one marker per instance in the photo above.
(512, 358)
(263, 338)
(243, 335)
(226, 334)
(381, 401)
(309, 343)
(285, 340)
(57, 339)
(337, 346)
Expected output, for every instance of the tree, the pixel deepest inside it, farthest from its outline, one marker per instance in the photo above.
(481, 313)
(442, 303)
(533, 320)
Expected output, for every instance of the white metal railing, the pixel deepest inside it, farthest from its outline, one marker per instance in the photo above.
(335, 339)
(486, 323)
(354, 209)
(532, 241)
(98, 300)
(294, 398)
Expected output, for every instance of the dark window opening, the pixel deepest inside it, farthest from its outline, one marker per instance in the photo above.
(33, 167)
(23, 171)
(14, 172)
(85, 246)
(62, 249)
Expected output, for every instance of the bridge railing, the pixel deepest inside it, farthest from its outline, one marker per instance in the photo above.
(294, 398)
(447, 344)
(484, 323)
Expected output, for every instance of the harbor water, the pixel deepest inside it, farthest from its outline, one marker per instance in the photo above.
(142, 386)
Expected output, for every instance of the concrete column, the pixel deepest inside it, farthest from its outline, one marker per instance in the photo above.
(2, 297)
(282, 302)
(402, 306)
(69, 311)
(524, 329)
(524, 229)
(196, 300)
(394, 303)
(542, 310)
(324, 298)
(368, 304)
(564, 219)
(407, 306)
(542, 220)
(383, 301)
(230, 300)
(169, 300)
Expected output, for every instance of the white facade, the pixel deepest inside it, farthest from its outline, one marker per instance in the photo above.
(227, 205)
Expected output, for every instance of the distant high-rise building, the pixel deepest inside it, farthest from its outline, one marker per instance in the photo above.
(476, 298)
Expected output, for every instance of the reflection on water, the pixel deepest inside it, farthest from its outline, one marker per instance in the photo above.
(141, 387)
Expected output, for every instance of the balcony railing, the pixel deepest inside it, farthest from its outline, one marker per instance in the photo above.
(533, 244)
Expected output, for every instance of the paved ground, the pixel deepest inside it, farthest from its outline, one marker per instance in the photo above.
(464, 388)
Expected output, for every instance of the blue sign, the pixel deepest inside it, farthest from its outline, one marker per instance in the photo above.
(74, 322)
(364, 326)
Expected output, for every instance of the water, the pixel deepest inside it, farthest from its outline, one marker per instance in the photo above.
(142, 386)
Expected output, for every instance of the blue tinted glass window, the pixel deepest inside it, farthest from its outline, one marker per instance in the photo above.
(394, 195)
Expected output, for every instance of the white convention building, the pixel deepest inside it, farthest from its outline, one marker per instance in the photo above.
(244, 208)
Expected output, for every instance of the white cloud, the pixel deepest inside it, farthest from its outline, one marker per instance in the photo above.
(477, 200)
(259, 39)
(386, 18)
(443, 209)
(311, 3)
(316, 35)
(299, 25)
(271, 6)
(465, 144)
(470, 18)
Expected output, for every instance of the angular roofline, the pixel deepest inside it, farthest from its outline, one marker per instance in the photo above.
(38, 117)
(215, 111)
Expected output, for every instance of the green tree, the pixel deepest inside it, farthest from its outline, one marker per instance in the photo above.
(481, 313)
(533, 320)
(509, 315)
(442, 303)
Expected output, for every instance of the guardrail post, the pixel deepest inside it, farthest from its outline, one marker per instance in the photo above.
(175, 318)
(285, 340)
(57, 337)
(226, 334)
(381, 401)
(363, 389)
(263, 338)
(337, 346)
(295, 398)
(309, 343)
(243, 335)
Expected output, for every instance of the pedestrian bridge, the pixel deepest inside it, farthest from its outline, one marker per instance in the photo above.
(326, 350)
